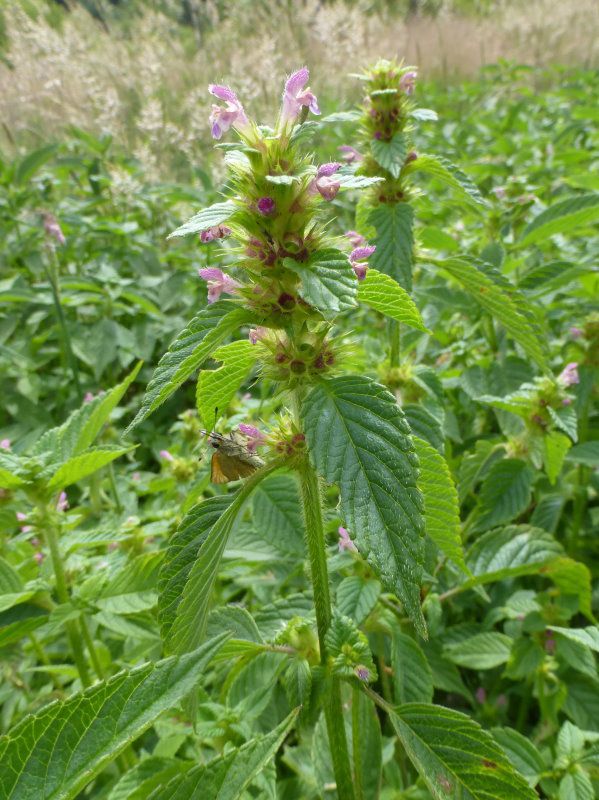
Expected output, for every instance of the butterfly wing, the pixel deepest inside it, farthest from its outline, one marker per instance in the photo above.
(226, 468)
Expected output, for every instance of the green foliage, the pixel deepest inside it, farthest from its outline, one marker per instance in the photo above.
(394, 242)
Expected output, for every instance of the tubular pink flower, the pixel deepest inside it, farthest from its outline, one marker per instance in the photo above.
(295, 97)
(255, 437)
(266, 206)
(4, 444)
(350, 154)
(52, 228)
(362, 672)
(231, 116)
(257, 334)
(569, 375)
(355, 238)
(345, 543)
(481, 694)
(324, 183)
(407, 82)
(62, 503)
(215, 232)
(328, 169)
(39, 557)
(166, 455)
(88, 397)
(357, 259)
(217, 282)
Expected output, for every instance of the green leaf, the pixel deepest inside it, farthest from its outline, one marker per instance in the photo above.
(586, 453)
(277, 514)
(385, 295)
(572, 577)
(328, 281)
(83, 465)
(390, 155)
(357, 596)
(556, 448)
(582, 702)
(359, 439)
(367, 747)
(482, 651)
(58, 751)
(187, 352)
(449, 174)
(30, 164)
(8, 480)
(576, 785)
(589, 637)
(181, 554)
(505, 492)
(216, 388)
(213, 215)
(351, 181)
(394, 242)
(503, 305)
(228, 776)
(10, 582)
(562, 217)
(441, 506)
(146, 775)
(515, 550)
(455, 756)
(412, 676)
(521, 752)
(566, 420)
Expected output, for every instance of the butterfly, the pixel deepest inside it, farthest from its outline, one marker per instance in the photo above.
(231, 459)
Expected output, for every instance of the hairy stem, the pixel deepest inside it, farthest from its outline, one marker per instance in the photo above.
(333, 709)
(62, 324)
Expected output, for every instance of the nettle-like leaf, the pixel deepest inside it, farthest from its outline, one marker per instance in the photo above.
(482, 651)
(455, 756)
(412, 675)
(441, 506)
(359, 439)
(589, 637)
(228, 776)
(505, 492)
(83, 465)
(146, 775)
(366, 746)
(521, 752)
(328, 281)
(556, 446)
(217, 387)
(58, 751)
(390, 155)
(385, 295)
(187, 352)
(277, 514)
(213, 215)
(347, 648)
(394, 241)
(448, 173)
(181, 555)
(504, 306)
(562, 217)
(357, 596)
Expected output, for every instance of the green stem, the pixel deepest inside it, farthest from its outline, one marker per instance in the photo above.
(62, 590)
(62, 323)
(91, 649)
(394, 332)
(115, 491)
(333, 709)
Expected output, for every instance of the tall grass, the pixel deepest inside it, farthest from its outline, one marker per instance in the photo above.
(145, 83)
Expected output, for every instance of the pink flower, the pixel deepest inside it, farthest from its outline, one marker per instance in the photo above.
(345, 543)
(52, 228)
(217, 282)
(481, 694)
(295, 97)
(567, 401)
(362, 672)
(88, 397)
(357, 259)
(550, 644)
(62, 503)
(255, 437)
(215, 232)
(355, 238)
(166, 455)
(576, 333)
(257, 334)
(39, 557)
(231, 116)
(569, 375)
(350, 154)
(136, 476)
(407, 82)
(4, 444)
(324, 183)
(499, 192)
(501, 701)
(266, 206)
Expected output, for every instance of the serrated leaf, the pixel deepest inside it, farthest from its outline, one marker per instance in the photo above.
(58, 751)
(181, 555)
(146, 775)
(10, 581)
(572, 577)
(367, 747)
(213, 215)
(328, 281)
(441, 507)
(359, 439)
(586, 453)
(505, 492)
(582, 702)
(390, 155)
(8, 480)
(503, 306)
(566, 420)
(357, 596)
(562, 217)
(350, 181)
(455, 756)
(394, 242)
(216, 388)
(482, 651)
(556, 448)
(589, 637)
(412, 676)
(83, 465)
(227, 777)
(187, 352)
(30, 164)
(385, 295)
(424, 425)
(448, 173)
(513, 551)
(424, 114)
(576, 785)
(521, 752)
(277, 514)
